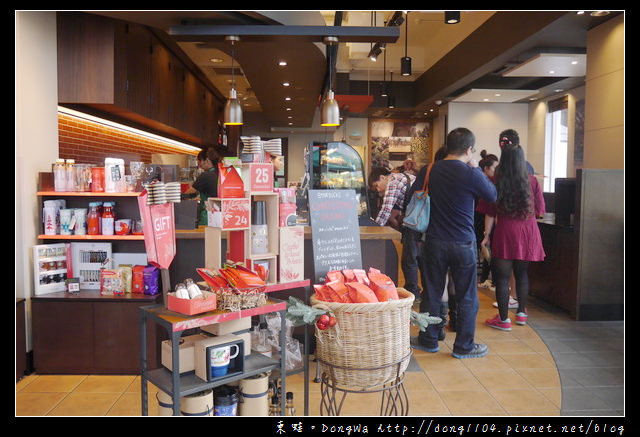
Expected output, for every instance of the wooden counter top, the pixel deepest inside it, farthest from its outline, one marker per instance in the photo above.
(366, 233)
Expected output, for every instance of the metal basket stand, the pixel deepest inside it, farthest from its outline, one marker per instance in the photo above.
(394, 402)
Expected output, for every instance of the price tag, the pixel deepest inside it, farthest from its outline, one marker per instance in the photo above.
(235, 213)
(261, 177)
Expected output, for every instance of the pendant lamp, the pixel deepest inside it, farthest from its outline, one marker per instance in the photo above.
(391, 99)
(232, 109)
(329, 110)
(384, 87)
(405, 63)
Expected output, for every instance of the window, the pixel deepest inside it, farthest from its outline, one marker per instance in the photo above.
(556, 147)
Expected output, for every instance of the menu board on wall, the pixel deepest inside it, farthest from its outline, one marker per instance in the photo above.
(335, 233)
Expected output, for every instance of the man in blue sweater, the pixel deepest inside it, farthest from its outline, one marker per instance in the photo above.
(455, 184)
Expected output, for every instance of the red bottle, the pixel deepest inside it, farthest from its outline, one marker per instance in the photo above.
(93, 220)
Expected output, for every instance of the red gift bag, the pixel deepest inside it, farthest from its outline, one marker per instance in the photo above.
(158, 224)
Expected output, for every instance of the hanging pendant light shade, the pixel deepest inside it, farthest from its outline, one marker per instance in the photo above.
(232, 109)
(405, 62)
(384, 86)
(329, 109)
(391, 99)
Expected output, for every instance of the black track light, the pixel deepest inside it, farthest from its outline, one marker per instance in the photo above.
(451, 17)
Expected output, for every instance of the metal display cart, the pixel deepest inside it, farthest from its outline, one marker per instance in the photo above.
(177, 385)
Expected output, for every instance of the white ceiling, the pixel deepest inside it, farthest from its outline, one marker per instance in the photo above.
(476, 95)
(551, 65)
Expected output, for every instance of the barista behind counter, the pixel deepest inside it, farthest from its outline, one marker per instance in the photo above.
(206, 185)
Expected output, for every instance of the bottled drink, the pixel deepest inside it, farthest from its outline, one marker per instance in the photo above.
(108, 219)
(290, 409)
(93, 219)
(59, 176)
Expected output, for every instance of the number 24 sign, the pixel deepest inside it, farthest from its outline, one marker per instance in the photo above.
(235, 213)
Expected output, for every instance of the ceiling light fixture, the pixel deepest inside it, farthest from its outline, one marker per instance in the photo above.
(451, 17)
(329, 110)
(384, 87)
(232, 109)
(391, 99)
(405, 63)
(375, 52)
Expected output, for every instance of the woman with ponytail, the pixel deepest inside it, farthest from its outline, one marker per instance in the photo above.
(516, 238)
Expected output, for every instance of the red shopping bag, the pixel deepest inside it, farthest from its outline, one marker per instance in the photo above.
(158, 225)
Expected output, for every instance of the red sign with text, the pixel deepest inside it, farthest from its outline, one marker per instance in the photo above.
(235, 213)
(260, 176)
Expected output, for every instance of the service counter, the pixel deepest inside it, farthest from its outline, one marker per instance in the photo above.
(583, 272)
(376, 242)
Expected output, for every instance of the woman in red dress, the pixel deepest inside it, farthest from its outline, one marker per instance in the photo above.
(516, 237)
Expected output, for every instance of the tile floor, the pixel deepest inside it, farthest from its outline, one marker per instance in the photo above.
(553, 366)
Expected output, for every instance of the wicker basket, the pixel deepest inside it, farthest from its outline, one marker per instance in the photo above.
(236, 300)
(369, 346)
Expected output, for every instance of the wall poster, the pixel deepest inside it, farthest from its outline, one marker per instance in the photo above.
(394, 141)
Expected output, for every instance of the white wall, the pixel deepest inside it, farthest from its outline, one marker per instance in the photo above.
(487, 120)
(36, 129)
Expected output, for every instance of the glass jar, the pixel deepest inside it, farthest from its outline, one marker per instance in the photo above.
(71, 175)
(59, 176)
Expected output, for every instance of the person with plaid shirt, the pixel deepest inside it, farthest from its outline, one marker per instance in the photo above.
(392, 186)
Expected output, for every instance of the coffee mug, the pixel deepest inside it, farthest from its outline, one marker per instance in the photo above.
(220, 358)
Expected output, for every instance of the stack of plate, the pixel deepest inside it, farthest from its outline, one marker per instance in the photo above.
(252, 144)
(157, 193)
(172, 190)
(274, 146)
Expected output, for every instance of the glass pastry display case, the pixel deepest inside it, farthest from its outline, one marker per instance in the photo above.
(337, 166)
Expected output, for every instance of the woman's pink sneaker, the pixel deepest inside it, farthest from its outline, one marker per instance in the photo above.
(497, 323)
(521, 318)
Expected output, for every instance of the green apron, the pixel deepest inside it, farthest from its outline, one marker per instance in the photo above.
(203, 221)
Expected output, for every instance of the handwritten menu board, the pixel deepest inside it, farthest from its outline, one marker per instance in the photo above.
(335, 233)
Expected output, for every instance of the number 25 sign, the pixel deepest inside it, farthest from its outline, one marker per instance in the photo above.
(261, 176)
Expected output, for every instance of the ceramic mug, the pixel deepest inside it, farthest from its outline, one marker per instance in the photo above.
(220, 358)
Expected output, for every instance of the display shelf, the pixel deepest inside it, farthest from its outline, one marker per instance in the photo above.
(177, 385)
(91, 237)
(254, 364)
(87, 194)
(180, 322)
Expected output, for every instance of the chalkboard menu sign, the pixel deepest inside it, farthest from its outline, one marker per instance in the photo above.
(335, 232)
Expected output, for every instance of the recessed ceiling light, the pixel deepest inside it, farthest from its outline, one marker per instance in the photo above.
(288, 109)
(282, 63)
(599, 13)
(485, 100)
(216, 60)
(551, 71)
(574, 62)
(285, 84)
(287, 98)
(497, 94)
